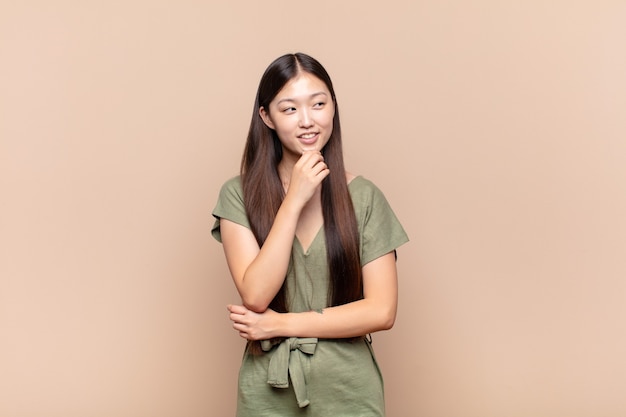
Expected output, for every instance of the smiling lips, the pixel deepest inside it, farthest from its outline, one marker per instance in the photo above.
(308, 138)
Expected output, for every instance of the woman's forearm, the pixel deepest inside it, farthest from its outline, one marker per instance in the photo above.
(264, 275)
(376, 311)
(349, 320)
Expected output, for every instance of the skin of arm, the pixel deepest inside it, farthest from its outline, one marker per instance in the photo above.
(259, 273)
(376, 311)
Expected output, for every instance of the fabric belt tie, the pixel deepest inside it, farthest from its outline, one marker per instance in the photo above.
(284, 365)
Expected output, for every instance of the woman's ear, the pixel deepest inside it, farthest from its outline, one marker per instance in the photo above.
(266, 118)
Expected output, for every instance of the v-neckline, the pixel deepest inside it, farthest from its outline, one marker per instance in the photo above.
(308, 249)
(319, 230)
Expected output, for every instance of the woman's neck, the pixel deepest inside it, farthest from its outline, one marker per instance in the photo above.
(285, 167)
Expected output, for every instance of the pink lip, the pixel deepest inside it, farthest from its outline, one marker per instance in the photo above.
(308, 141)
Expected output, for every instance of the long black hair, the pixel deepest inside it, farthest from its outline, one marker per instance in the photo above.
(263, 192)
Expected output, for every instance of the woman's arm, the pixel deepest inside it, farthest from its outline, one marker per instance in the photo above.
(259, 273)
(376, 311)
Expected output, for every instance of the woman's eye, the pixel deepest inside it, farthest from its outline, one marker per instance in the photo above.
(320, 104)
(289, 110)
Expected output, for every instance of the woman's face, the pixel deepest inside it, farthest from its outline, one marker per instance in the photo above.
(301, 114)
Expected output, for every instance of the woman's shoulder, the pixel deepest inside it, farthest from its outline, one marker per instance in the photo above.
(233, 182)
(232, 185)
(365, 193)
(231, 191)
(358, 184)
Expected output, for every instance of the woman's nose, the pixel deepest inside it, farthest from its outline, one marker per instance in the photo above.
(305, 119)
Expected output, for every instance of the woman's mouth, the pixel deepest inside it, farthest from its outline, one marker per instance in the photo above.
(308, 138)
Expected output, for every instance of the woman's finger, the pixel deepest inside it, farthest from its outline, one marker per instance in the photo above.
(319, 167)
(309, 159)
(237, 309)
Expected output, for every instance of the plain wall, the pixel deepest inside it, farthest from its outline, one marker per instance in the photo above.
(496, 130)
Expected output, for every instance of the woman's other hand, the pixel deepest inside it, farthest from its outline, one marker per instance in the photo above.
(251, 325)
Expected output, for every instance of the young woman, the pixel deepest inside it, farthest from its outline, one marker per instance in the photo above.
(311, 249)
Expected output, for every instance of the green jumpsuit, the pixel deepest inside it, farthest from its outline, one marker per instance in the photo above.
(309, 376)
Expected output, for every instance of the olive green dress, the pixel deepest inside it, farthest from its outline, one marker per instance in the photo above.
(309, 376)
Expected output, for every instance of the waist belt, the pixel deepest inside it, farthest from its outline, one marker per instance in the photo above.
(286, 362)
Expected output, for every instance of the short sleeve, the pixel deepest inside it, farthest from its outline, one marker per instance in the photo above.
(229, 206)
(380, 229)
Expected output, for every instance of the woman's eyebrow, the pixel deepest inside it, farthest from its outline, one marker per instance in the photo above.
(319, 93)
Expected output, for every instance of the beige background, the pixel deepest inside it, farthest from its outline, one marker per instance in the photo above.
(496, 129)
